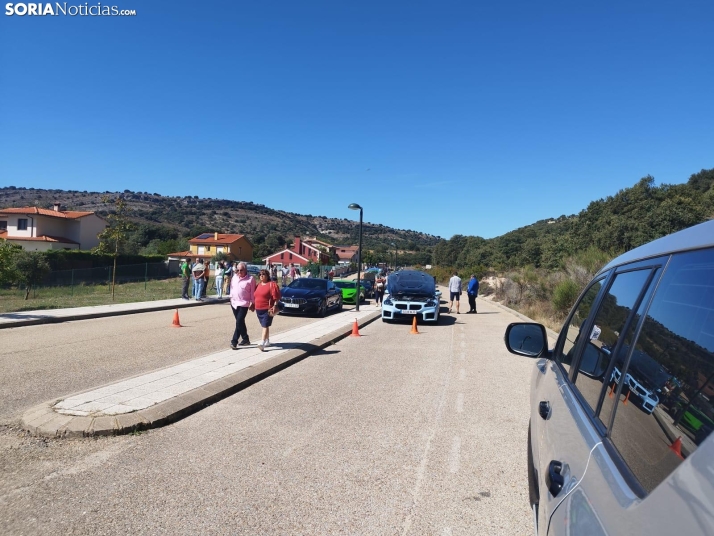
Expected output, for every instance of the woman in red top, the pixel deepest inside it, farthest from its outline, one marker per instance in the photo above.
(266, 298)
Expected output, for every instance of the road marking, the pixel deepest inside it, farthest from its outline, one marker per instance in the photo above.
(460, 403)
(454, 458)
(462, 374)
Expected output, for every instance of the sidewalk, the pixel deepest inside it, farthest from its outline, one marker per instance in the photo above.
(51, 316)
(167, 395)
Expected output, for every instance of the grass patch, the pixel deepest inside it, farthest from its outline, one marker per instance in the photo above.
(12, 300)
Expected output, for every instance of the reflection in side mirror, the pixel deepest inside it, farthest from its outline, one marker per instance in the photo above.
(526, 339)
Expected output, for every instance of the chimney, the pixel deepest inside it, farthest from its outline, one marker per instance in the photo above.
(57, 207)
(215, 235)
(296, 245)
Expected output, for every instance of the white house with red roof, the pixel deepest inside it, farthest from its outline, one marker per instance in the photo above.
(41, 229)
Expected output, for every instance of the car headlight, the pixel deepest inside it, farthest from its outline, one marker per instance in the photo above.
(314, 300)
(388, 302)
(430, 303)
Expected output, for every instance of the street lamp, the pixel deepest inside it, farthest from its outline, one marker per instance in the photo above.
(355, 206)
(395, 256)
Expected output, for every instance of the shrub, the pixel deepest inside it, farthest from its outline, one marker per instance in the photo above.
(565, 294)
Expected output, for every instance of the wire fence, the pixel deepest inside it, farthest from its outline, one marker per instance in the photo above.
(128, 273)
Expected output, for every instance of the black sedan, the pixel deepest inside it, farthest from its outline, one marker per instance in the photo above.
(310, 295)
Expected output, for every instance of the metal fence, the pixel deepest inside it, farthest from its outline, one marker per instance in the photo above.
(128, 273)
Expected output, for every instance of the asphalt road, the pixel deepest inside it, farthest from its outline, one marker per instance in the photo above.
(389, 433)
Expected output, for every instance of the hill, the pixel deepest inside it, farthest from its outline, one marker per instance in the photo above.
(164, 223)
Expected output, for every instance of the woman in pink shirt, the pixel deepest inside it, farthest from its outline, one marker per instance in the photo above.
(242, 300)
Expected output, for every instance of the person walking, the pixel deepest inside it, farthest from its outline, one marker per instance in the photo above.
(206, 277)
(185, 271)
(285, 271)
(242, 301)
(267, 295)
(472, 291)
(227, 274)
(198, 278)
(379, 284)
(454, 291)
(219, 279)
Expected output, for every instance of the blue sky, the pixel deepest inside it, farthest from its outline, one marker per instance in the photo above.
(446, 117)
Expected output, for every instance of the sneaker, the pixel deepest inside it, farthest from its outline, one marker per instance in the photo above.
(244, 343)
(261, 346)
(266, 343)
(233, 346)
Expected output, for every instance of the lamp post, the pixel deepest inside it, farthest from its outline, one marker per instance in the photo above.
(355, 206)
(395, 256)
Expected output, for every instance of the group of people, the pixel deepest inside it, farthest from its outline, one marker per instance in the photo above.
(246, 295)
(455, 291)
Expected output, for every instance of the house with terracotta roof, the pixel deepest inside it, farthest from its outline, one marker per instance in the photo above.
(41, 229)
(300, 254)
(346, 254)
(206, 245)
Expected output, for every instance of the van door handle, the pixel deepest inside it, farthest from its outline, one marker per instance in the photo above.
(544, 409)
(555, 480)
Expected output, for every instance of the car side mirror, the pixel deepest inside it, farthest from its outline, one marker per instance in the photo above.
(526, 339)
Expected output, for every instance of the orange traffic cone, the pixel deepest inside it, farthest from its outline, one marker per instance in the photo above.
(414, 330)
(355, 330)
(676, 447)
(176, 323)
(627, 398)
(612, 389)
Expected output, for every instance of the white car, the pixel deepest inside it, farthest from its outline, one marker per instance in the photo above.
(411, 293)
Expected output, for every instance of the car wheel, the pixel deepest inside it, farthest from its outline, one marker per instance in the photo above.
(322, 309)
(339, 307)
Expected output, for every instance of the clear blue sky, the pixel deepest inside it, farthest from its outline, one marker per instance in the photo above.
(446, 117)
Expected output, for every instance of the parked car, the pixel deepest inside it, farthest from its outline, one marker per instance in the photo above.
(349, 290)
(310, 295)
(410, 293)
(607, 456)
(368, 288)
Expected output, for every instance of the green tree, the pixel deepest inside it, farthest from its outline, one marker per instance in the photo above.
(8, 252)
(31, 267)
(115, 234)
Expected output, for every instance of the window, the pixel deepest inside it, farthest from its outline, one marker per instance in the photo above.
(201, 250)
(208, 248)
(610, 321)
(573, 327)
(3, 225)
(666, 407)
(22, 224)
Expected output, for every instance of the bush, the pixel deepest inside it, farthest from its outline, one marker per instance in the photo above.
(565, 294)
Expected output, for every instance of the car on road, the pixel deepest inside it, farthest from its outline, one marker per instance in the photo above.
(612, 448)
(349, 290)
(411, 293)
(310, 295)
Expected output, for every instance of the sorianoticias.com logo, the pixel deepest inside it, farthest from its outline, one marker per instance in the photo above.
(61, 8)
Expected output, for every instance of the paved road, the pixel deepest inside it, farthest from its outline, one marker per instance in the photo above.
(390, 433)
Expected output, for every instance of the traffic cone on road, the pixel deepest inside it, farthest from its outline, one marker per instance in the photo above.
(414, 330)
(676, 447)
(612, 389)
(355, 330)
(176, 323)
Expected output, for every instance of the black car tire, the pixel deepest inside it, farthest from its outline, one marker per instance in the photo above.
(322, 309)
(339, 307)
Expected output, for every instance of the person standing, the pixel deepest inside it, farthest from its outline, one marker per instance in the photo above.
(227, 274)
(219, 279)
(292, 272)
(274, 273)
(242, 301)
(285, 271)
(185, 272)
(206, 277)
(198, 278)
(267, 295)
(454, 291)
(472, 291)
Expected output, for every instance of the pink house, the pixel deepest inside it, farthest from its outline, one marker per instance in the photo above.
(301, 254)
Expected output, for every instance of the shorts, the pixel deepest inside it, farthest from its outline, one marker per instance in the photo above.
(454, 296)
(264, 318)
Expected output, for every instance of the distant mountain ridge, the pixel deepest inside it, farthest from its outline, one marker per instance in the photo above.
(169, 217)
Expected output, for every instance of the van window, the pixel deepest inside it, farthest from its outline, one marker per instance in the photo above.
(666, 406)
(610, 321)
(573, 327)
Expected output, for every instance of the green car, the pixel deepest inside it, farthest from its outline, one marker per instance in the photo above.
(349, 290)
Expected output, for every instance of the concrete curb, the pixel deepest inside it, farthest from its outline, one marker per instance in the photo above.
(53, 319)
(43, 421)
